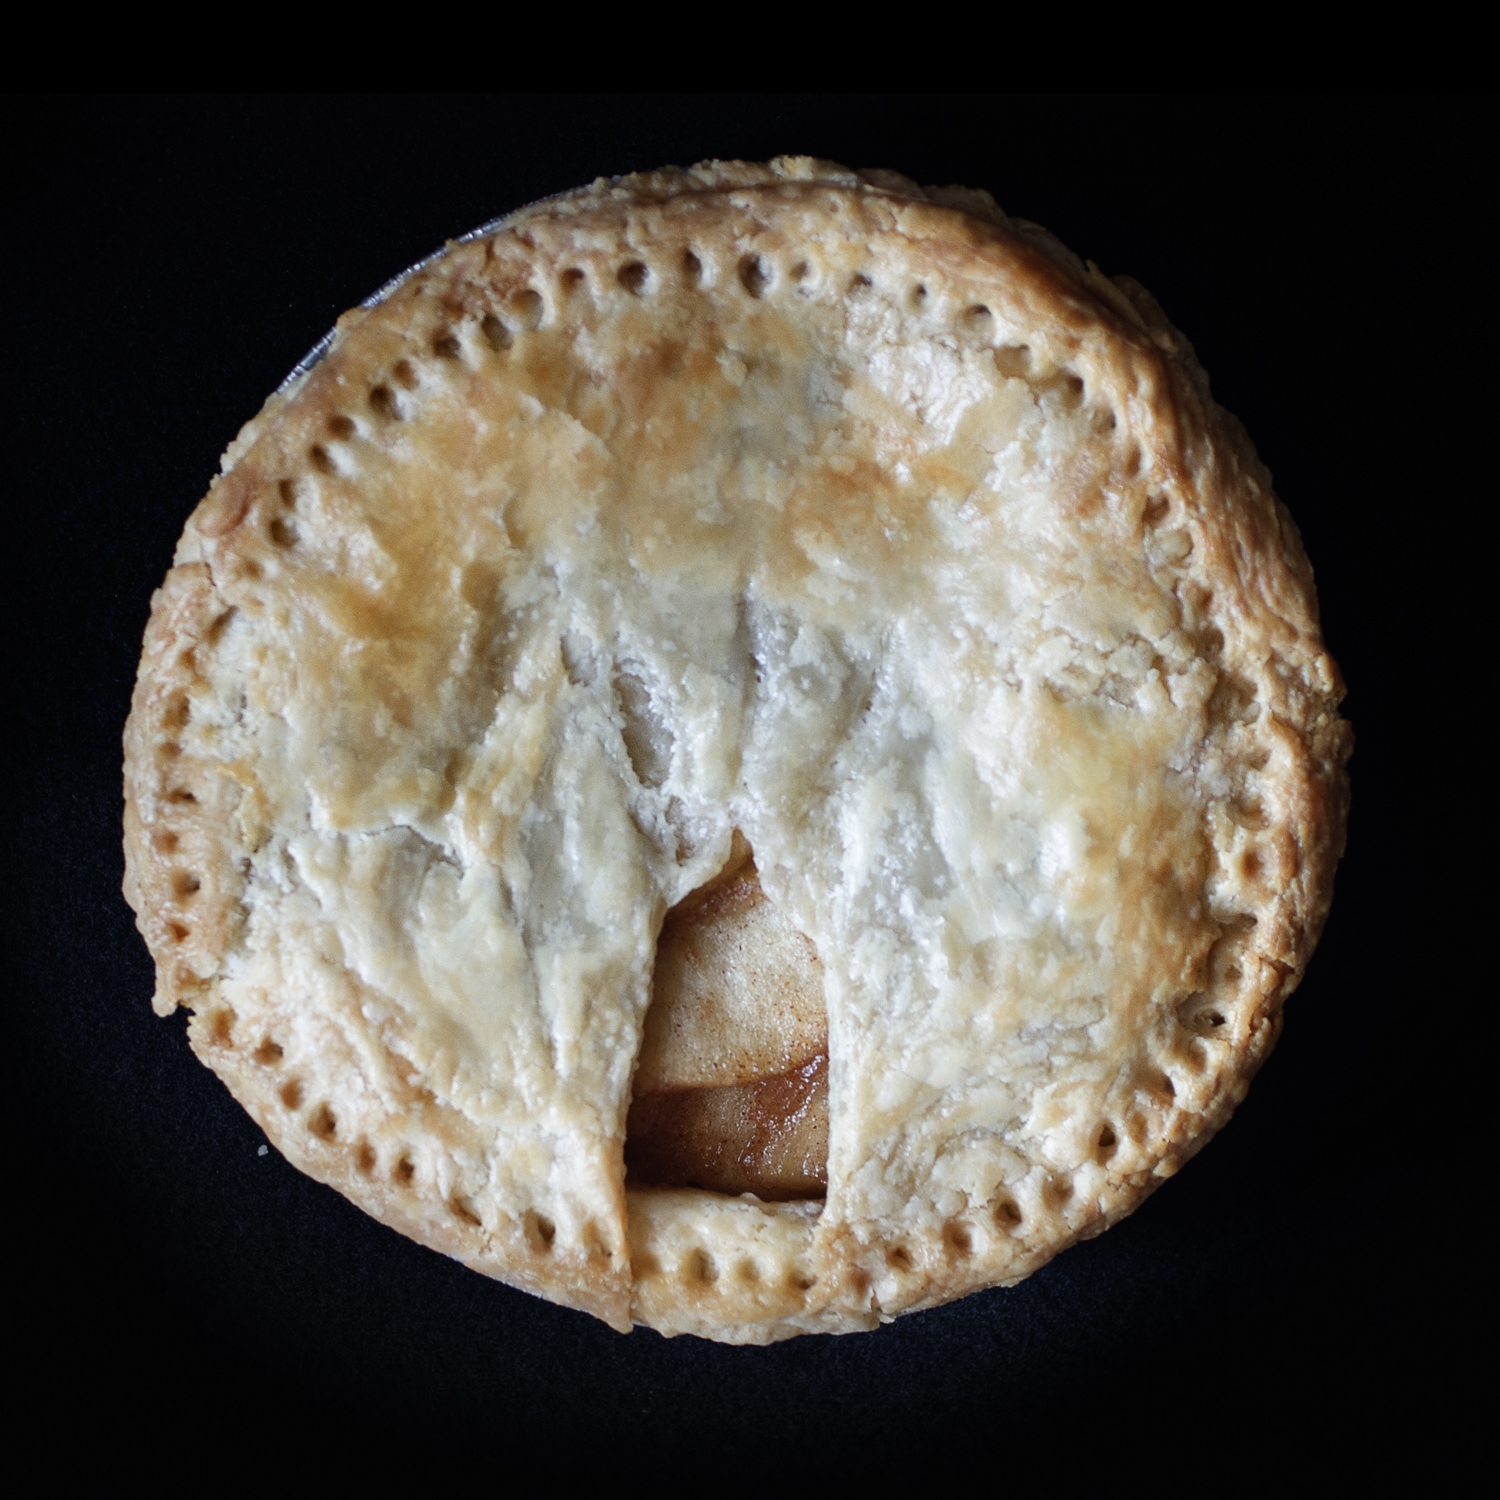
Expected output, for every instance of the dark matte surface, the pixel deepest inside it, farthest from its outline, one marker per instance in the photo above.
(169, 261)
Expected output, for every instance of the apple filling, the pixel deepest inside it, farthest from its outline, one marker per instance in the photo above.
(731, 1092)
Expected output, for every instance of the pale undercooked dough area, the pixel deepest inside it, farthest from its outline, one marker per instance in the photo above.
(859, 529)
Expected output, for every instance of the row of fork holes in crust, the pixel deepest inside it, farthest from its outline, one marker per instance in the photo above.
(527, 309)
(701, 1269)
(699, 1266)
(957, 1240)
(540, 1231)
(184, 883)
(323, 1123)
(1202, 1018)
(756, 275)
(386, 402)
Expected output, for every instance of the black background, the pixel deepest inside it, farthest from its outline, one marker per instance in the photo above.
(1289, 1296)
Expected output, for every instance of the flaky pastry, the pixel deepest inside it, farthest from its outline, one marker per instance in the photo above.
(825, 605)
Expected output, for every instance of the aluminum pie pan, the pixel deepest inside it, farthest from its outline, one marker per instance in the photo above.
(316, 354)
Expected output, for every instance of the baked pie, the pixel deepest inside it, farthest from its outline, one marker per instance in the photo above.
(747, 751)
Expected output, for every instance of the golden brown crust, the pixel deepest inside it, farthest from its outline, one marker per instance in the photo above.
(1169, 641)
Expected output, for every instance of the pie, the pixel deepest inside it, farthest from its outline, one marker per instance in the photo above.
(747, 752)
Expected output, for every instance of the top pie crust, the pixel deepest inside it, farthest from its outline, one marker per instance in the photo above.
(858, 518)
